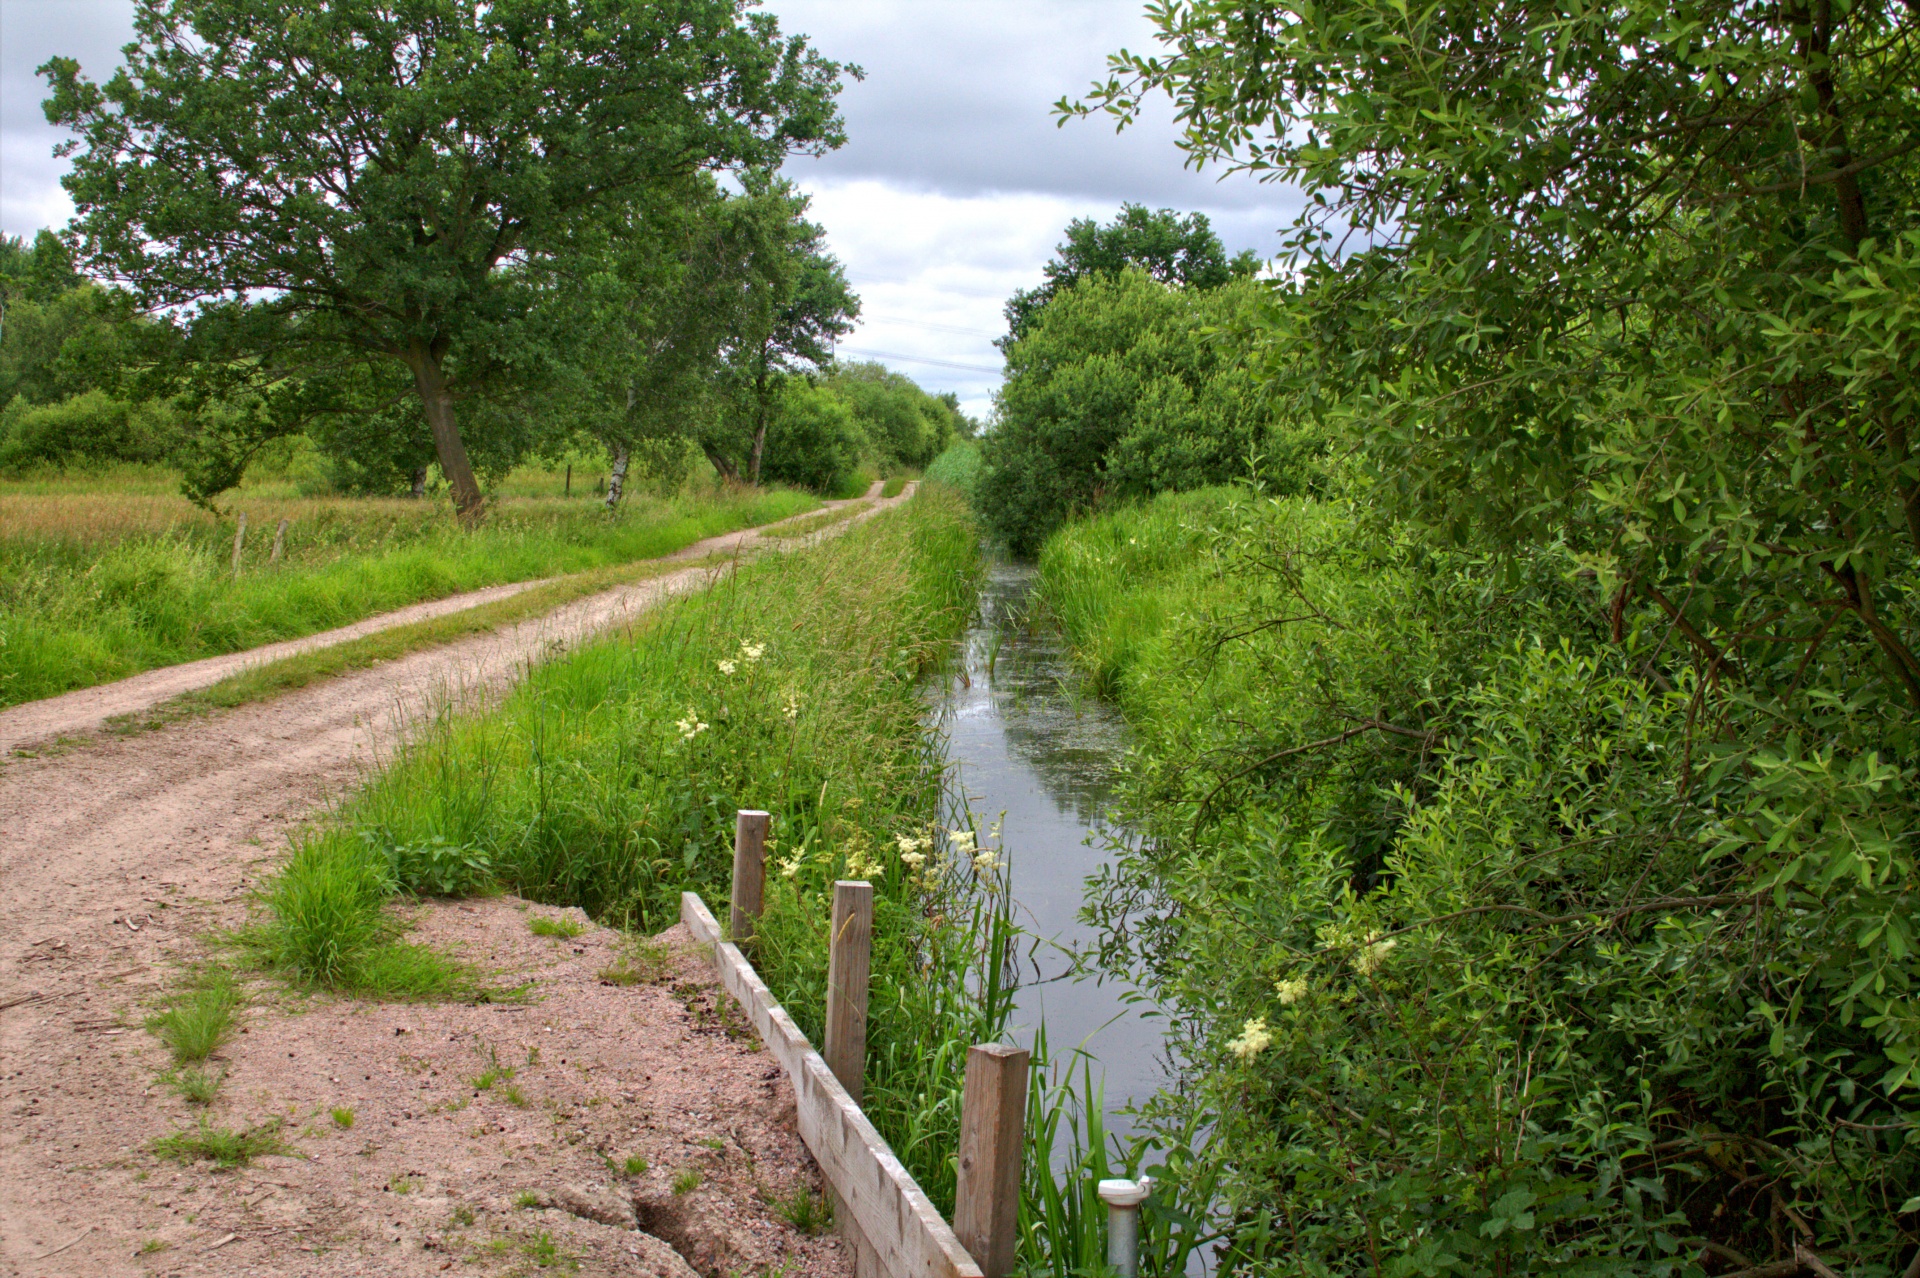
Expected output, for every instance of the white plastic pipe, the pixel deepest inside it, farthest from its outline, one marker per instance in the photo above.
(1123, 1199)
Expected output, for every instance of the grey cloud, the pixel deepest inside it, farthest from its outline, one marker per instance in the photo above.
(31, 31)
(958, 99)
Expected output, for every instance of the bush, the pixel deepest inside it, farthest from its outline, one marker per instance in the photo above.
(91, 427)
(813, 440)
(1480, 959)
(1117, 390)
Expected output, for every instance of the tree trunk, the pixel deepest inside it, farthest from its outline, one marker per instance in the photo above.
(419, 489)
(432, 385)
(722, 464)
(759, 428)
(617, 481)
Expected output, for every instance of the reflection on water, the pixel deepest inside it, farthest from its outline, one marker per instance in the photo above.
(1026, 742)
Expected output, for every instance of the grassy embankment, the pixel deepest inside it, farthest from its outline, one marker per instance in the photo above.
(97, 585)
(610, 777)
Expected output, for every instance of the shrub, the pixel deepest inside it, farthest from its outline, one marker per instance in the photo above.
(813, 440)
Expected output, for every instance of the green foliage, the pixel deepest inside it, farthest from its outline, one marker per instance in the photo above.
(903, 425)
(91, 426)
(196, 1086)
(1177, 250)
(1571, 782)
(484, 142)
(958, 466)
(1117, 390)
(813, 439)
(562, 927)
(1482, 960)
(793, 303)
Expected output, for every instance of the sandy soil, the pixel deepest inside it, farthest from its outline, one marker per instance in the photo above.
(119, 855)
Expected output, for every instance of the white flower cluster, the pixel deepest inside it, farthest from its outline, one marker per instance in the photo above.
(914, 849)
(690, 727)
(1254, 1039)
(749, 654)
(791, 707)
(1373, 955)
(1292, 991)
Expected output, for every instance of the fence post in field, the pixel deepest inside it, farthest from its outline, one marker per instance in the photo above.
(849, 960)
(279, 541)
(993, 1112)
(239, 539)
(749, 872)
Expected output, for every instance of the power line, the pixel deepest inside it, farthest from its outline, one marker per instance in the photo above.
(922, 359)
(939, 328)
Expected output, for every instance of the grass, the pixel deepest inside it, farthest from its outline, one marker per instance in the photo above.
(200, 1018)
(634, 1165)
(686, 1182)
(197, 1086)
(645, 962)
(608, 780)
(270, 679)
(958, 467)
(561, 926)
(222, 1146)
(808, 1212)
(896, 485)
(96, 586)
(342, 1117)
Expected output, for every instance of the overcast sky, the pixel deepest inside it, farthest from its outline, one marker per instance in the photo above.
(953, 189)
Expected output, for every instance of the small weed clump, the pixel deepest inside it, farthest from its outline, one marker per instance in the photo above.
(196, 1086)
(200, 1019)
(526, 1200)
(686, 1182)
(808, 1212)
(634, 1165)
(221, 1146)
(560, 926)
(644, 963)
(342, 1117)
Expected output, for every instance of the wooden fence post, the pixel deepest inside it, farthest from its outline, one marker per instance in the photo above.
(849, 960)
(749, 872)
(239, 539)
(279, 541)
(993, 1112)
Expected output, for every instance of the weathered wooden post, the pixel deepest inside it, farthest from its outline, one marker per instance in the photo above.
(993, 1112)
(239, 539)
(749, 872)
(849, 960)
(279, 541)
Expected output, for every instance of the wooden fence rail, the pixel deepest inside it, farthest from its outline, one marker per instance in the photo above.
(890, 1222)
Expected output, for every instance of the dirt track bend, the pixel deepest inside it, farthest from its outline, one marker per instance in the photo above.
(118, 853)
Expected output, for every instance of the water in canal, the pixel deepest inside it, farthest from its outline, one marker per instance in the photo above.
(1027, 743)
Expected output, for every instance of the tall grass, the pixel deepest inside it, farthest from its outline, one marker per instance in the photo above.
(97, 586)
(958, 466)
(609, 780)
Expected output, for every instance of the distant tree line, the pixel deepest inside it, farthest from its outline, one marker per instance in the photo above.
(1124, 378)
(458, 235)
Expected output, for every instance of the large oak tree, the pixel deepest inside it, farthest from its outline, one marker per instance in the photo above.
(369, 178)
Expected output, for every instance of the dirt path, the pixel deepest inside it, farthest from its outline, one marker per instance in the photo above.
(87, 709)
(117, 855)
